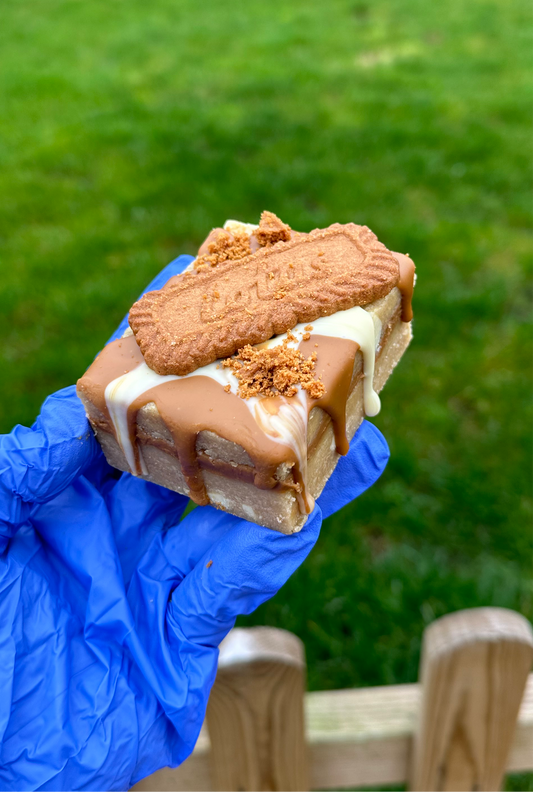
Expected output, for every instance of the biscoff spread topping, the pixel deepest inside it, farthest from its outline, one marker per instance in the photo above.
(275, 371)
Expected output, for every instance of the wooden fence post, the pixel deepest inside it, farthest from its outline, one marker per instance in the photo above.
(255, 715)
(473, 672)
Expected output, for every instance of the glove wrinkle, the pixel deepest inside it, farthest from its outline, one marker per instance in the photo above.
(139, 511)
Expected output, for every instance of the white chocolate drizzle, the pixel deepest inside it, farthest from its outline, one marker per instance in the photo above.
(286, 424)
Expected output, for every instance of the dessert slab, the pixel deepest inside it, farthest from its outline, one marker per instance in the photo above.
(243, 380)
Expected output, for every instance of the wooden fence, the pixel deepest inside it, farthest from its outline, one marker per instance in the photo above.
(468, 721)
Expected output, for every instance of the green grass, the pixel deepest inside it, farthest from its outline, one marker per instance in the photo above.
(130, 129)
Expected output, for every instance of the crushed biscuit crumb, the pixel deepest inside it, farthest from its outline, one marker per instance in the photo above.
(271, 230)
(227, 388)
(308, 328)
(226, 247)
(277, 371)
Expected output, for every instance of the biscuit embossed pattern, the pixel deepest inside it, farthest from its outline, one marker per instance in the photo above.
(201, 316)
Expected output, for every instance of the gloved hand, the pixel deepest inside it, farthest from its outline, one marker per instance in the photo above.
(111, 609)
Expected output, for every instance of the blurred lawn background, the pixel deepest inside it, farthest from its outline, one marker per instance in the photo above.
(129, 129)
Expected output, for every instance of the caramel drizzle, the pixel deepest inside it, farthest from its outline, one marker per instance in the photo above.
(406, 284)
(188, 406)
(183, 404)
(230, 416)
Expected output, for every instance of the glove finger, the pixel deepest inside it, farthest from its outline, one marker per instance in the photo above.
(174, 268)
(357, 471)
(245, 567)
(38, 463)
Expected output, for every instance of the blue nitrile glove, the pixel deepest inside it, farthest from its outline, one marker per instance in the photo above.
(111, 609)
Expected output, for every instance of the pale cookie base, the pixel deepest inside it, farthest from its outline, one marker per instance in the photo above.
(274, 508)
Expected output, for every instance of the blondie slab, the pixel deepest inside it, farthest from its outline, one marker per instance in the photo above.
(259, 434)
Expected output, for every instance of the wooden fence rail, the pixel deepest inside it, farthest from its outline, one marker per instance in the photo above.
(467, 722)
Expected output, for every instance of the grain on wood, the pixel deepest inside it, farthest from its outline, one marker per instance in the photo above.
(255, 714)
(474, 669)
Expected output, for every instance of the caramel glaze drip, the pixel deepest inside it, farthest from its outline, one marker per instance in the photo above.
(191, 405)
(334, 366)
(406, 284)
